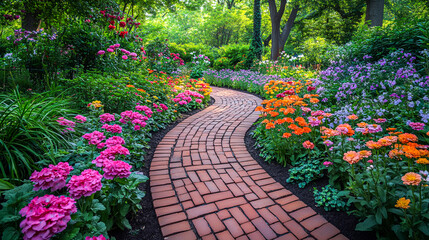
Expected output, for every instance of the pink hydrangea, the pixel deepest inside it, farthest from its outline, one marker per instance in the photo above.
(53, 177)
(107, 117)
(64, 122)
(99, 161)
(86, 184)
(94, 138)
(417, 126)
(112, 128)
(46, 216)
(101, 237)
(198, 100)
(80, 119)
(115, 150)
(115, 140)
(145, 109)
(113, 169)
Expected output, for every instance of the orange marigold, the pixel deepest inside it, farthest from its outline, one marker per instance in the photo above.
(314, 100)
(306, 129)
(289, 120)
(407, 137)
(422, 161)
(352, 157)
(270, 125)
(274, 114)
(259, 108)
(403, 203)
(352, 117)
(287, 135)
(298, 131)
(411, 152)
(411, 178)
(293, 127)
(373, 145)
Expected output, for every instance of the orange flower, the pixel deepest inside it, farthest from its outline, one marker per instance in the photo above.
(352, 117)
(259, 108)
(140, 90)
(314, 100)
(298, 131)
(427, 133)
(293, 127)
(403, 203)
(365, 153)
(395, 154)
(287, 135)
(362, 124)
(308, 145)
(345, 129)
(289, 120)
(299, 119)
(390, 129)
(407, 137)
(352, 157)
(422, 161)
(373, 145)
(266, 121)
(302, 123)
(130, 86)
(270, 125)
(306, 129)
(289, 110)
(274, 114)
(411, 178)
(411, 152)
(384, 142)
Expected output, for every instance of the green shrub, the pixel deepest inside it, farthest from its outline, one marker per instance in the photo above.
(305, 172)
(330, 198)
(234, 52)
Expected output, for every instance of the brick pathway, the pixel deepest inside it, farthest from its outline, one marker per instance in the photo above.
(205, 185)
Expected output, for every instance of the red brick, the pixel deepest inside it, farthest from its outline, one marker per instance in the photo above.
(188, 235)
(249, 211)
(279, 213)
(251, 196)
(214, 222)
(288, 236)
(196, 198)
(212, 187)
(217, 196)
(201, 226)
(221, 185)
(235, 190)
(258, 191)
(325, 232)
(226, 178)
(165, 202)
(303, 213)
(244, 237)
(175, 228)
(161, 188)
(225, 235)
(159, 195)
(224, 214)
(294, 206)
(265, 182)
(296, 229)
(200, 210)
(263, 227)
(314, 222)
(204, 176)
(243, 186)
(339, 237)
(287, 200)
(233, 227)
(279, 194)
(188, 204)
(248, 227)
(207, 237)
(228, 203)
(279, 228)
(168, 210)
(171, 218)
(268, 216)
(261, 203)
(201, 188)
(255, 236)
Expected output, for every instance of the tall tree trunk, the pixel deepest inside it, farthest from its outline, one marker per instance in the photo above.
(275, 26)
(374, 12)
(255, 49)
(288, 28)
(30, 20)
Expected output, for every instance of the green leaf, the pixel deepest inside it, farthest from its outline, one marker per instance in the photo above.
(97, 206)
(424, 228)
(382, 194)
(4, 185)
(378, 217)
(124, 210)
(398, 232)
(10, 233)
(126, 224)
(366, 225)
(9, 218)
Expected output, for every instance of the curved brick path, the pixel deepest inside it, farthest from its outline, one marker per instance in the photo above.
(205, 185)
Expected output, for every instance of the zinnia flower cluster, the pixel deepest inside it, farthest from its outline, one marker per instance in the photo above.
(186, 97)
(46, 216)
(403, 203)
(101, 237)
(411, 178)
(86, 184)
(308, 145)
(107, 117)
(53, 177)
(94, 138)
(352, 157)
(417, 126)
(113, 169)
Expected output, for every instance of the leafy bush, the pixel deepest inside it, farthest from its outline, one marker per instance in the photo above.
(330, 198)
(28, 131)
(234, 53)
(305, 172)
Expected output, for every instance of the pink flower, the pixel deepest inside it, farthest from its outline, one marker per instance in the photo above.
(46, 216)
(314, 122)
(115, 150)
(86, 184)
(115, 140)
(374, 128)
(80, 118)
(99, 161)
(163, 106)
(125, 57)
(64, 122)
(327, 163)
(317, 113)
(305, 109)
(107, 117)
(380, 120)
(183, 102)
(417, 126)
(110, 50)
(328, 142)
(112, 128)
(101, 52)
(370, 161)
(198, 100)
(94, 138)
(53, 177)
(101, 237)
(145, 109)
(308, 145)
(113, 169)
(117, 45)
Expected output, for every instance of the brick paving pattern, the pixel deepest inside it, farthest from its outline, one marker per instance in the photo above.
(206, 185)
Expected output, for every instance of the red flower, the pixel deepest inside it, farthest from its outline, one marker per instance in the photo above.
(122, 24)
(112, 22)
(310, 88)
(111, 27)
(123, 33)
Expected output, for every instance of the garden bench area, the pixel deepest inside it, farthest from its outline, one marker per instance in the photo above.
(226, 119)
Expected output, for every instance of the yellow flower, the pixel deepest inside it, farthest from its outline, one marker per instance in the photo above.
(402, 203)
(422, 161)
(155, 97)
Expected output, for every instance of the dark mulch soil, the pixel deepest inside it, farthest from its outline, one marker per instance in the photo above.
(144, 222)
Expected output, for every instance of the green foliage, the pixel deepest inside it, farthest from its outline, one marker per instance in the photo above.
(28, 131)
(305, 172)
(255, 50)
(314, 51)
(330, 198)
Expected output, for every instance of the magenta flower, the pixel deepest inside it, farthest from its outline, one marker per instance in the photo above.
(125, 57)
(112, 128)
(113, 169)
(145, 109)
(374, 128)
(53, 177)
(101, 52)
(86, 184)
(94, 138)
(163, 106)
(107, 117)
(328, 142)
(380, 120)
(110, 50)
(99, 161)
(101, 237)
(327, 163)
(417, 126)
(64, 122)
(46, 216)
(115, 150)
(198, 100)
(115, 140)
(80, 119)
